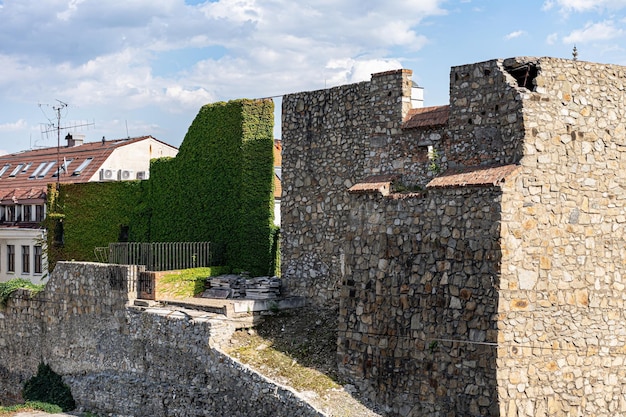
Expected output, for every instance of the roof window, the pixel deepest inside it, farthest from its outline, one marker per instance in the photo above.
(46, 169)
(37, 170)
(4, 169)
(17, 169)
(82, 166)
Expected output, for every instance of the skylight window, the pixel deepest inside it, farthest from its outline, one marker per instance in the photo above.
(82, 166)
(63, 167)
(17, 169)
(37, 170)
(4, 169)
(28, 165)
(46, 169)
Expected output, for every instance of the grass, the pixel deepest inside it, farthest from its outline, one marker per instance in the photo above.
(30, 406)
(188, 282)
(9, 287)
(261, 354)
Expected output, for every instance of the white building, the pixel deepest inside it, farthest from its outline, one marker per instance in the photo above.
(24, 177)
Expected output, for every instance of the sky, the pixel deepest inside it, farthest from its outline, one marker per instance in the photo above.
(145, 67)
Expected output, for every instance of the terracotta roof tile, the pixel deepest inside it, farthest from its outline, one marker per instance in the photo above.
(426, 117)
(473, 176)
(374, 183)
(23, 185)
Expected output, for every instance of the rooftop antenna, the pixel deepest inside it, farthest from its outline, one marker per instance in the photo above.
(575, 54)
(56, 127)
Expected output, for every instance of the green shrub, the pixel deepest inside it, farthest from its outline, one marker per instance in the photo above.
(48, 387)
(9, 287)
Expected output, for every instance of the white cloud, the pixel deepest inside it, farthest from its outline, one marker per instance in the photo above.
(594, 32)
(566, 6)
(514, 35)
(552, 38)
(13, 126)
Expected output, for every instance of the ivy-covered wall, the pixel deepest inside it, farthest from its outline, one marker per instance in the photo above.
(218, 189)
(92, 215)
(219, 186)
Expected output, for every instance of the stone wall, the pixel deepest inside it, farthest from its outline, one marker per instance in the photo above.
(417, 322)
(562, 340)
(550, 300)
(126, 361)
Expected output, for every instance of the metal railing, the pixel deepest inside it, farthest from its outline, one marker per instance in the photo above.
(161, 256)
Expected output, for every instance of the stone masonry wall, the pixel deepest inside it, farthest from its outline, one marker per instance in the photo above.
(328, 135)
(418, 318)
(125, 361)
(562, 339)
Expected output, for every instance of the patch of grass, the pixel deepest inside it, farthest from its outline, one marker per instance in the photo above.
(282, 367)
(188, 282)
(9, 287)
(30, 406)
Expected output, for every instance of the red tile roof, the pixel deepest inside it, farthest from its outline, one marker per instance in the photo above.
(21, 184)
(477, 176)
(427, 117)
(374, 183)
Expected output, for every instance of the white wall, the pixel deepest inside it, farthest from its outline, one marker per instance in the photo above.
(19, 238)
(135, 157)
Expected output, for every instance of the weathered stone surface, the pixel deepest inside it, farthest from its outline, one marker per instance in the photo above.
(542, 252)
(125, 361)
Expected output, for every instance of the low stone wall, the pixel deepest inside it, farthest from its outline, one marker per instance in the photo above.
(125, 361)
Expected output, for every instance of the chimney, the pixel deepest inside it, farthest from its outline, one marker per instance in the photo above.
(74, 140)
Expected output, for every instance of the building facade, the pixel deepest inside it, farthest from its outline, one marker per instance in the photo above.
(24, 178)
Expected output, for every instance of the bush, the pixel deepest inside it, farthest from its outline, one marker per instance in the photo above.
(9, 287)
(48, 387)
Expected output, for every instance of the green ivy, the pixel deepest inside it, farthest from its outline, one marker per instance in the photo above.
(218, 189)
(9, 287)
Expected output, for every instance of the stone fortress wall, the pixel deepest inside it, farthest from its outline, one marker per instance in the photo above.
(494, 288)
(128, 361)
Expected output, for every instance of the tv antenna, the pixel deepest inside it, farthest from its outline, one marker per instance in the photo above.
(53, 126)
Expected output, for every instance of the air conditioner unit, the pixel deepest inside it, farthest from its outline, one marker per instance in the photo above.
(108, 174)
(126, 175)
(142, 175)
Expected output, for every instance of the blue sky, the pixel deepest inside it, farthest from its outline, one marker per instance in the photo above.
(145, 67)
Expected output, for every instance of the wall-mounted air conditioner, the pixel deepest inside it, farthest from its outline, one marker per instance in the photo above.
(108, 174)
(126, 175)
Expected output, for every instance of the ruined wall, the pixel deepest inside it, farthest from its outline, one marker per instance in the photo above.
(562, 341)
(486, 122)
(328, 135)
(418, 309)
(127, 361)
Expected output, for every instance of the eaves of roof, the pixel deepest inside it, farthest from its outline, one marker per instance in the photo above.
(424, 117)
(473, 176)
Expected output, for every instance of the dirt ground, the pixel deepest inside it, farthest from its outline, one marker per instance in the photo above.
(298, 348)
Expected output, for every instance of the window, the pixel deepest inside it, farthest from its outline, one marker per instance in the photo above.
(36, 171)
(4, 169)
(38, 255)
(17, 169)
(39, 213)
(82, 166)
(63, 167)
(27, 210)
(9, 213)
(46, 169)
(26, 259)
(10, 258)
